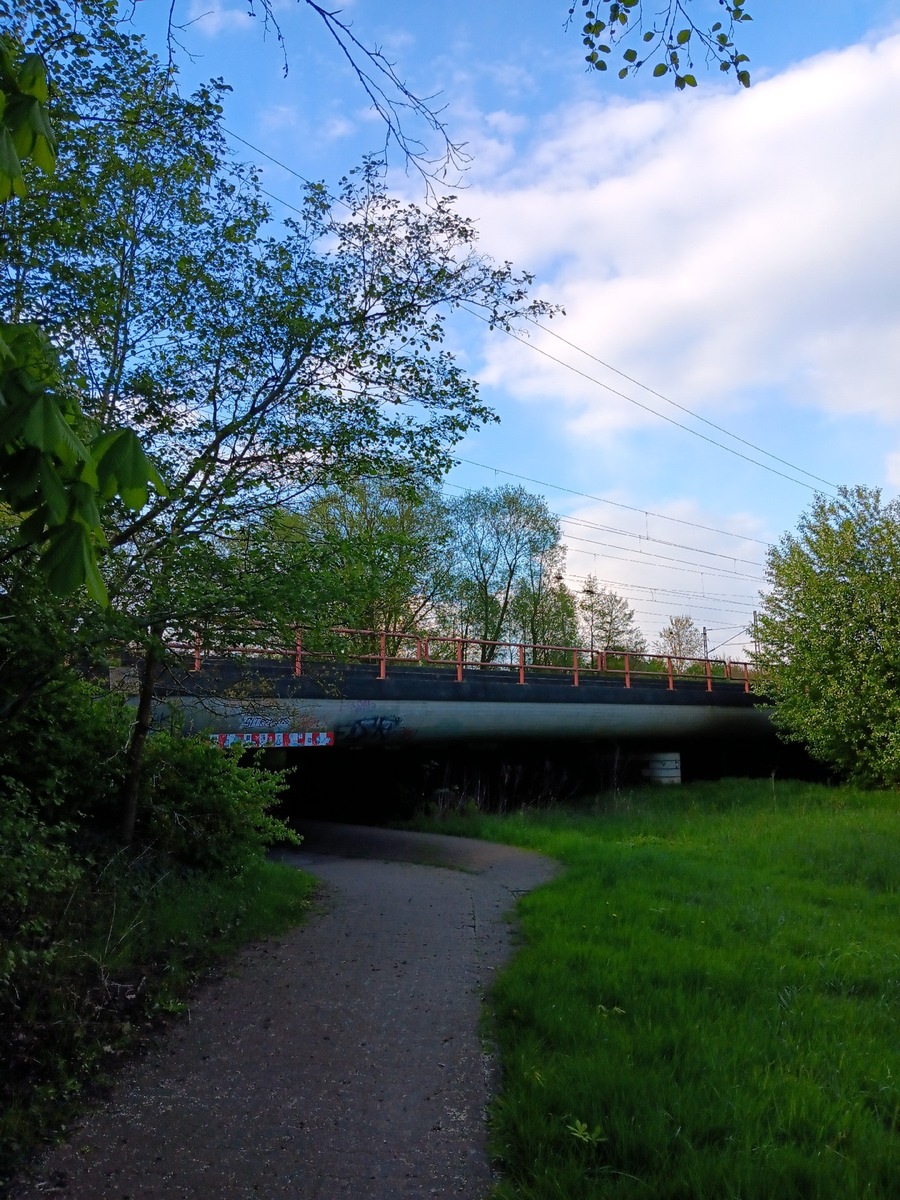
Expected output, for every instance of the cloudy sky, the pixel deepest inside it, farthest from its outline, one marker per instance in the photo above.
(727, 252)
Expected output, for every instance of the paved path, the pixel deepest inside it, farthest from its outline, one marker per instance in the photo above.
(341, 1060)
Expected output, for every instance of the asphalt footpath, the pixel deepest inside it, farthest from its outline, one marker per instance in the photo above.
(341, 1060)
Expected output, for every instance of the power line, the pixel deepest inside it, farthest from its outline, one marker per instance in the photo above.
(629, 533)
(697, 568)
(595, 358)
(642, 537)
(278, 163)
(558, 487)
(646, 407)
(715, 597)
(659, 395)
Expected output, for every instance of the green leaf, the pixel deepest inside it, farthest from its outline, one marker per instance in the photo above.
(11, 180)
(690, 80)
(660, 69)
(33, 77)
(46, 428)
(630, 55)
(122, 468)
(53, 491)
(684, 36)
(11, 421)
(69, 561)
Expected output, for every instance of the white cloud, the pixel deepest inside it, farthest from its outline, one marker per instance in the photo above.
(716, 245)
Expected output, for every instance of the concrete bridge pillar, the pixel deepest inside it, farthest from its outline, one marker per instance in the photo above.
(662, 767)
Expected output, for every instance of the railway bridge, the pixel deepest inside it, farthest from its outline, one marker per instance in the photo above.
(368, 689)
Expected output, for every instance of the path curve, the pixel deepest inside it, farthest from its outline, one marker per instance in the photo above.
(340, 1060)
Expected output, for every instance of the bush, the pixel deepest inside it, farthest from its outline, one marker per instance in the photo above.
(204, 810)
(65, 749)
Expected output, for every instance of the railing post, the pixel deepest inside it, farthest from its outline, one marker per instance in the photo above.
(427, 648)
(671, 680)
(603, 661)
(708, 676)
(575, 668)
(746, 678)
(382, 656)
(298, 652)
(459, 660)
(627, 670)
(419, 651)
(197, 644)
(521, 662)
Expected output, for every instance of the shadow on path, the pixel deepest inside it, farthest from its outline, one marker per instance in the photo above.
(340, 1060)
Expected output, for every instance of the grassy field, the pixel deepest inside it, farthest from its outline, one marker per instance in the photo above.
(705, 1003)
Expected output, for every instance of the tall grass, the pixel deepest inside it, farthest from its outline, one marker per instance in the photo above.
(704, 1005)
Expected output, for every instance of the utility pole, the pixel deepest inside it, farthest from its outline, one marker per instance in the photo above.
(705, 644)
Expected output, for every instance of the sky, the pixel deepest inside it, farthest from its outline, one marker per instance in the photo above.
(730, 252)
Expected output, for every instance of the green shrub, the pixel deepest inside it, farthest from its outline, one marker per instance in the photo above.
(36, 872)
(204, 810)
(65, 749)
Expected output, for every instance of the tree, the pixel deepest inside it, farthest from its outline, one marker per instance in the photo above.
(680, 640)
(606, 620)
(369, 555)
(53, 475)
(829, 635)
(499, 537)
(255, 368)
(542, 612)
(667, 37)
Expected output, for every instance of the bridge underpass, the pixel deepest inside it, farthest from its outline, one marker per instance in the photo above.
(386, 720)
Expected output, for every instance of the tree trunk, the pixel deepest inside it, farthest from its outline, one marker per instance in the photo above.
(134, 755)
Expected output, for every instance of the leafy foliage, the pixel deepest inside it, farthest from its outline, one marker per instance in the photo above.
(680, 640)
(607, 620)
(500, 538)
(669, 37)
(204, 811)
(829, 635)
(49, 477)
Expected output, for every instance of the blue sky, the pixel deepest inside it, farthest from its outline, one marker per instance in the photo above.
(734, 251)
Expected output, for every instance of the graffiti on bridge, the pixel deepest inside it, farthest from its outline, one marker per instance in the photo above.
(369, 729)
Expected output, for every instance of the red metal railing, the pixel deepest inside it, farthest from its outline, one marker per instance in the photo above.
(384, 649)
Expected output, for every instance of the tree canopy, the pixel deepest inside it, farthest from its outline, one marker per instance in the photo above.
(829, 635)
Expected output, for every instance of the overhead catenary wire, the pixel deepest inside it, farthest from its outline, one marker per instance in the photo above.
(644, 537)
(693, 568)
(694, 598)
(645, 512)
(599, 383)
(641, 537)
(681, 407)
(638, 404)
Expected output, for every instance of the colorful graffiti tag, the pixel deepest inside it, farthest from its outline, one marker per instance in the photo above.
(263, 739)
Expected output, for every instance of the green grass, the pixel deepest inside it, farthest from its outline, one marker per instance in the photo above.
(704, 1006)
(128, 943)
